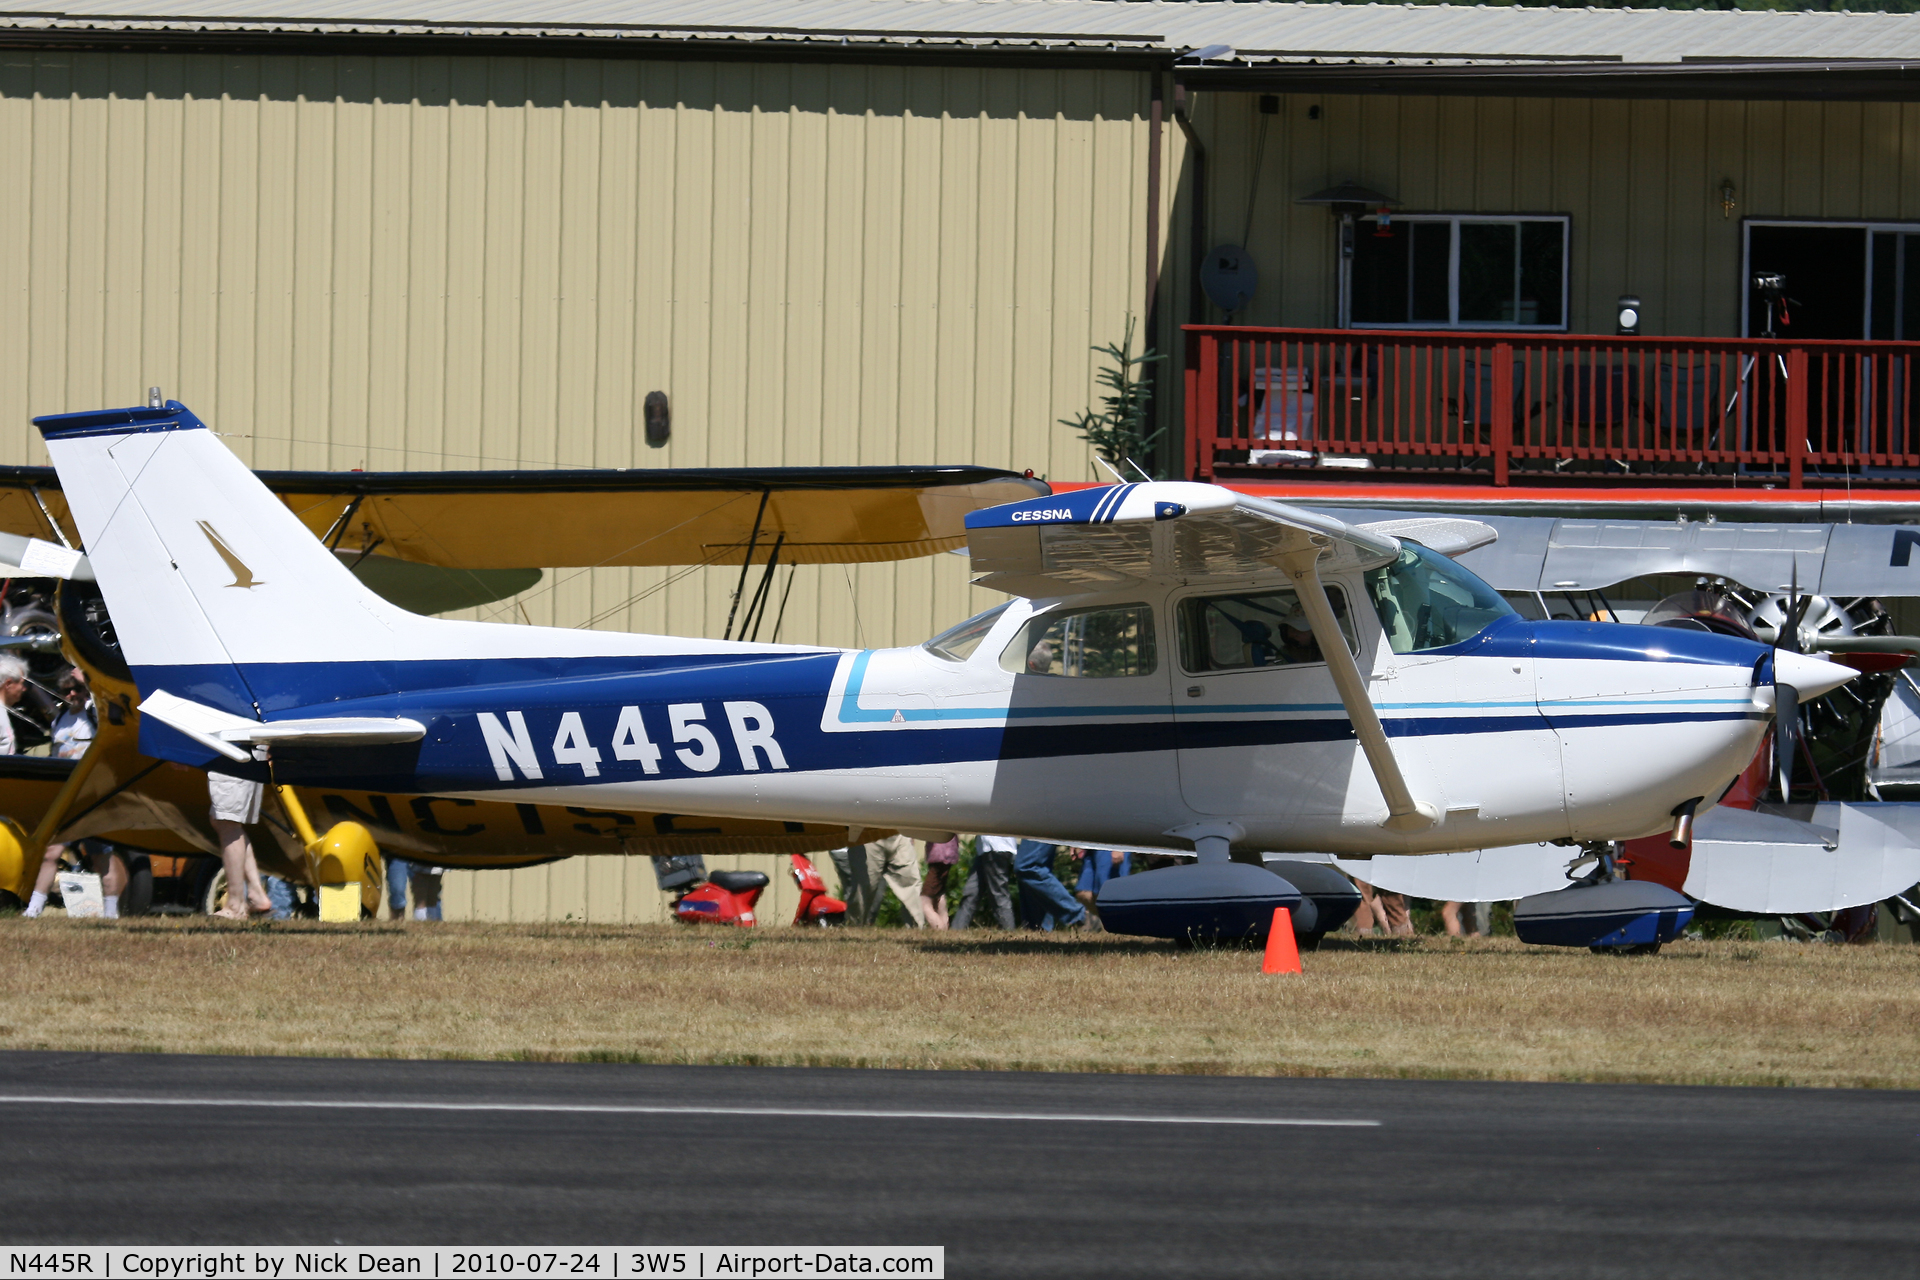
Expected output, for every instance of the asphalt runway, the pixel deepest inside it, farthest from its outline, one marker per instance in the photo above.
(1016, 1174)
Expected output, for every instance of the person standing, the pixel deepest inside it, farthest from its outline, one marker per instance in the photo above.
(868, 870)
(73, 733)
(1044, 901)
(75, 726)
(1479, 914)
(941, 857)
(13, 687)
(398, 873)
(992, 868)
(1389, 910)
(235, 805)
(1097, 866)
(422, 879)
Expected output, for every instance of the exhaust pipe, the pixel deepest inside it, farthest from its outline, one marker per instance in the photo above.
(1682, 834)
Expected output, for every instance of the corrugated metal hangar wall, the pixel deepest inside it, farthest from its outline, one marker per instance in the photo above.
(1641, 179)
(447, 262)
(435, 262)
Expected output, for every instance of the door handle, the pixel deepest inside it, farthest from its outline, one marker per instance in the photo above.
(1195, 690)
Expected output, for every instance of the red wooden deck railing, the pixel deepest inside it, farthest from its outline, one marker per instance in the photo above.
(1524, 407)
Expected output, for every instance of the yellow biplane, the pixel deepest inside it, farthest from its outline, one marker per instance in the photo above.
(433, 542)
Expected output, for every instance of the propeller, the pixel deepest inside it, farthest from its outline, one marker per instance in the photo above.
(1786, 734)
(1786, 697)
(1801, 671)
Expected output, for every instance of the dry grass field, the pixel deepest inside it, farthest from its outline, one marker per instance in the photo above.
(1702, 1012)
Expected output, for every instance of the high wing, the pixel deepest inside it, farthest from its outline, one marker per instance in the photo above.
(1100, 539)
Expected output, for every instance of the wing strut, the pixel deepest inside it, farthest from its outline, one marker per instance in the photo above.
(1404, 812)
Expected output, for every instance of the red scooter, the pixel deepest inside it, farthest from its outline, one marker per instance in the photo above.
(728, 897)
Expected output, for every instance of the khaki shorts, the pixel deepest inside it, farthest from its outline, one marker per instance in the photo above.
(234, 799)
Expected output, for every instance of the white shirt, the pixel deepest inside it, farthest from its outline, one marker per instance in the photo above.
(998, 844)
(73, 733)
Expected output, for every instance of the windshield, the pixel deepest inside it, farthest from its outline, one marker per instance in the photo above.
(956, 644)
(1426, 601)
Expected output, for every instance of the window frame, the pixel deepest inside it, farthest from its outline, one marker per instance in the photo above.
(1868, 228)
(1453, 273)
(999, 612)
(1356, 641)
(1067, 610)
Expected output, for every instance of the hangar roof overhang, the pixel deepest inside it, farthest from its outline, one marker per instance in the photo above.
(1261, 46)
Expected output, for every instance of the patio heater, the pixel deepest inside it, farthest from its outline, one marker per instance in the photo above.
(1348, 202)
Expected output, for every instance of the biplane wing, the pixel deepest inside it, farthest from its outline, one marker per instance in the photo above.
(574, 519)
(432, 542)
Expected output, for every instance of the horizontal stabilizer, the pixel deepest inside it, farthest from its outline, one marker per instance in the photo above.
(1877, 855)
(228, 734)
(1743, 860)
(1750, 826)
(1482, 875)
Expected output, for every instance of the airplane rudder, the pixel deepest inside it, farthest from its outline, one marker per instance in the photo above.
(199, 561)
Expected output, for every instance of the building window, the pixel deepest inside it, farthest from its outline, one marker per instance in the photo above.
(1457, 271)
(1839, 279)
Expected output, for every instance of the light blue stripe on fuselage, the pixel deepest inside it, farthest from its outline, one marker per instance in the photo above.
(852, 713)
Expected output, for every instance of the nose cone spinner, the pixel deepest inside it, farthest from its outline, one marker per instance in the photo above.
(1810, 677)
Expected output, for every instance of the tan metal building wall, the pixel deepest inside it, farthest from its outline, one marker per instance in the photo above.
(1641, 180)
(431, 262)
(607, 890)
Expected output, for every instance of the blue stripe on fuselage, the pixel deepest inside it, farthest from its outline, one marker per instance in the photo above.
(448, 695)
(1514, 637)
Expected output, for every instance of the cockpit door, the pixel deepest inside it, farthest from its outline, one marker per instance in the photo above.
(1088, 712)
(1260, 725)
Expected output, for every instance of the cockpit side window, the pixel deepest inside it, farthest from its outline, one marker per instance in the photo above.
(1253, 629)
(1426, 601)
(956, 644)
(1112, 640)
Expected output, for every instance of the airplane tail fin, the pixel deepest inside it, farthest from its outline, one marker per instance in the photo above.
(208, 575)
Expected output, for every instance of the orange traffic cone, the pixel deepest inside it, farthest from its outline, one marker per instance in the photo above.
(1283, 956)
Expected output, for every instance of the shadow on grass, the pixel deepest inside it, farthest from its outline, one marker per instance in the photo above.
(1003, 944)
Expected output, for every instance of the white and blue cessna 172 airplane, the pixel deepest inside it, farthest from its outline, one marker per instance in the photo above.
(1182, 664)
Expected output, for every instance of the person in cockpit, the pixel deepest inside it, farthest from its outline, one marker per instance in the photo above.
(1296, 638)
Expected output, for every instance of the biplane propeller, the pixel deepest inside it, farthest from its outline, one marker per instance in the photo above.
(1806, 589)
